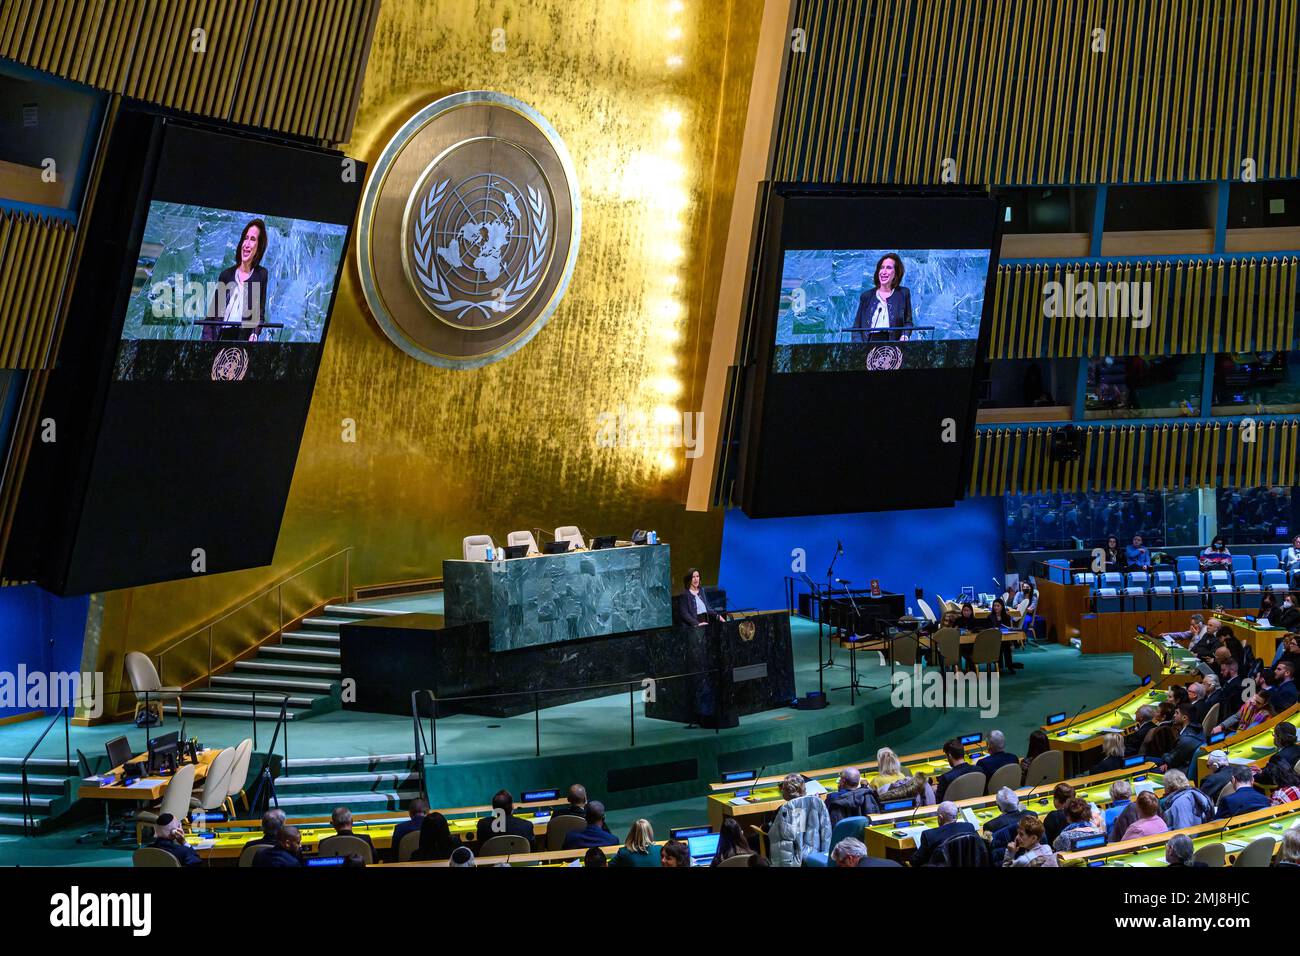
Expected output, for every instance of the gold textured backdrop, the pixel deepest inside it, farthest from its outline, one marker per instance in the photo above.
(649, 96)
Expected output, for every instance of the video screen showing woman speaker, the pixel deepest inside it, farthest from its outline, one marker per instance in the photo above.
(222, 293)
(879, 309)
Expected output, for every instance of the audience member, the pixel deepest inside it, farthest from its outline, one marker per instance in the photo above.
(1028, 848)
(1144, 722)
(1190, 636)
(639, 848)
(1121, 812)
(934, 838)
(1290, 853)
(1240, 795)
(998, 757)
(1209, 640)
(169, 835)
(851, 852)
(801, 826)
(1080, 825)
(272, 820)
(957, 765)
(1011, 811)
(503, 820)
(1288, 787)
(1189, 741)
(286, 852)
(1149, 821)
(731, 841)
(1216, 556)
(1038, 744)
(1113, 558)
(341, 821)
(1136, 555)
(595, 833)
(1288, 752)
(416, 809)
(577, 805)
(888, 770)
(674, 854)
(1291, 555)
(595, 857)
(851, 799)
(436, 842)
(1283, 694)
(1183, 805)
(1254, 710)
(1112, 750)
(461, 857)
(1056, 820)
(1179, 851)
(1220, 773)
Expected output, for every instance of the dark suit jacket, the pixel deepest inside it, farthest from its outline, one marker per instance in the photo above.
(1180, 758)
(276, 856)
(994, 762)
(402, 829)
(684, 611)
(514, 825)
(899, 304)
(1133, 742)
(851, 803)
(1212, 784)
(1283, 696)
(257, 283)
(952, 775)
(1285, 618)
(1228, 697)
(569, 810)
(588, 837)
(936, 837)
(1283, 758)
(1106, 764)
(1242, 801)
(183, 852)
(876, 861)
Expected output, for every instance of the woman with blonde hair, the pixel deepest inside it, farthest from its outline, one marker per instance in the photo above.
(888, 770)
(639, 849)
(1112, 749)
(1290, 853)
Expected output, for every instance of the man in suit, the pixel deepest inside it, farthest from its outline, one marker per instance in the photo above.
(1288, 752)
(1189, 741)
(1190, 636)
(1199, 697)
(1011, 812)
(503, 821)
(851, 852)
(1240, 795)
(1220, 774)
(957, 766)
(595, 833)
(997, 757)
(1146, 722)
(341, 821)
(577, 805)
(272, 821)
(1208, 642)
(1232, 689)
(417, 809)
(1283, 693)
(851, 799)
(286, 852)
(934, 838)
(169, 835)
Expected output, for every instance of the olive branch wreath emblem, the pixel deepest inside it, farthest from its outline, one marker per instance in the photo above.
(503, 298)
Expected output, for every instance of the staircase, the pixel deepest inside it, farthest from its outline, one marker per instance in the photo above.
(51, 782)
(316, 785)
(305, 666)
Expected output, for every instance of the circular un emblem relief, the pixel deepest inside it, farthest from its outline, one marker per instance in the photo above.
(230, 365)
(469, 230)
(885, 358)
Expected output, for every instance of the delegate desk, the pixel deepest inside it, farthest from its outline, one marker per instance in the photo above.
(749, 801)
(148, 789)
(1235, 836)
(1078, 738)
(1259, 635)
(1165, 663)
(895, 835)
(1254, 745)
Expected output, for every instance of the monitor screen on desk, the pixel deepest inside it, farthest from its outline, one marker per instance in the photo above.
(703, 847)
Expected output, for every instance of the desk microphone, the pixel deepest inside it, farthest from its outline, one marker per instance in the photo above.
(1070, 723)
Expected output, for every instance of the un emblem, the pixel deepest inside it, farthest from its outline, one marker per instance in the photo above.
(469, 230)
(230, 365)
(885, 358)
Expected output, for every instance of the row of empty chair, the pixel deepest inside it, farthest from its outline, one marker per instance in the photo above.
(1185, 589)
(476, 546)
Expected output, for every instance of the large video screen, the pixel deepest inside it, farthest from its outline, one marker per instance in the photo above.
(206, 275)
(838, 306)
(185, 374)
(868, 319)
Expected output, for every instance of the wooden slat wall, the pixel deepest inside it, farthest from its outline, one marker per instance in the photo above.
(34, 256)
(1014, 93)
(1138, 458)
(293, 66)
(1195, 307)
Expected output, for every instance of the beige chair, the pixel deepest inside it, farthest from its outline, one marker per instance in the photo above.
(947, 641)
(926, 612)
(1047, 767)
(239, 774)
(966, 786)
(1211, 855)
(904, 651)
(249, 852)
(516, 538)
(476, 547)
(1008, 776)
(151, 856)
(144, 678)
(987, 648)
(175, 800)
(740, 859)
(558, 827)
(406, 849)
(505, 844)
(1211, 720)
(1257, 853)
(345, 844)
(571, 534)
(213, 794)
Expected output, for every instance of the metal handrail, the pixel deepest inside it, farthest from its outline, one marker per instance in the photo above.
(278, 586)
(29, 818)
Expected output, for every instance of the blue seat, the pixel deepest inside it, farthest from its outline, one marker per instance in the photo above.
(848, 827)
(1139, 579)
(1108, 600)
(1243, 578)
(1086, 577)
(1214, 578)
(1112, 579)
(1135, 599)
(1247, 587)
(1189, 590)
(1266, 562)
(1187, 562)
(1058, 570)
(1166, 579)
(1273, 579)
(1162, 598)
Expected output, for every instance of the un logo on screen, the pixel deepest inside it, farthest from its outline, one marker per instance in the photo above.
(469, 230)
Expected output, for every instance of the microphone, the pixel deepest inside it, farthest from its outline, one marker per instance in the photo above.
(1070, 723)
(839, 546)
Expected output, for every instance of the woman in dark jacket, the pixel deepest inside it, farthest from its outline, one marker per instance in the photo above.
(240, 299)
(435, 839)
(885, 310)
(691, 608)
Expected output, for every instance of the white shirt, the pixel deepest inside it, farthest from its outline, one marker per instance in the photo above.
(700, 607)
(235, 301)
(880, 318)
(1289, 557)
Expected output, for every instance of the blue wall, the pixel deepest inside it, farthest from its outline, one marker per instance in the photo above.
(938, 549)
(40, 630)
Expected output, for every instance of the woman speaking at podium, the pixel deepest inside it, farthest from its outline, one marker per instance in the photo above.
(692, 608)
(240, 301)
(887, 306)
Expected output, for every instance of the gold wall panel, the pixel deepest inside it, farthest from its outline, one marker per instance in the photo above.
(288, 65)
(1015, 92)
(1196, 306)
(34, 255)
(440, 454)
(1148, 457)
